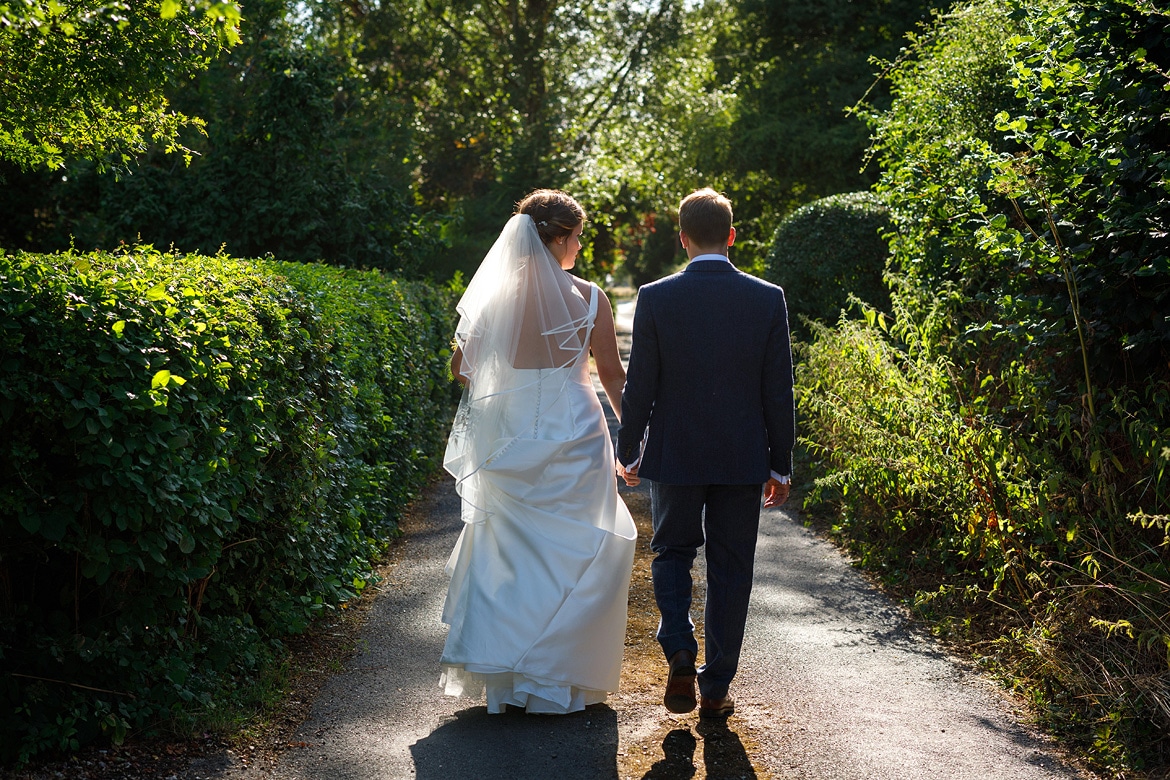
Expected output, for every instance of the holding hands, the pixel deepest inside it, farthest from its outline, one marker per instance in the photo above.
(630, 475)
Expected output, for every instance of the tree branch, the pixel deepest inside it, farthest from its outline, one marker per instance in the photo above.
(73, 685)
(621, 75)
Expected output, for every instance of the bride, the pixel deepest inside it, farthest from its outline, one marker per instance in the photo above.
(540, 573)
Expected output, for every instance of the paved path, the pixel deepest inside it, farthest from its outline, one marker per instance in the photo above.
(834, 684)
(855, 692)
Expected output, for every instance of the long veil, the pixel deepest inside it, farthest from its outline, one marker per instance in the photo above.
(520, 317)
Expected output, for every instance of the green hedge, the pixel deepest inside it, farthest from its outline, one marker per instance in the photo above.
(828, 250)
(197, 454)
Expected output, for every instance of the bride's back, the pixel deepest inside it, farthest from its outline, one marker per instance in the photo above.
(553, 326)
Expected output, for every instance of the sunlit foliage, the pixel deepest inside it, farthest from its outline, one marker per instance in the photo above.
(88, 79)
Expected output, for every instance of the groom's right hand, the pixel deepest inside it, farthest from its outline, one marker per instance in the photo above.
(630, 475)
(775, 492)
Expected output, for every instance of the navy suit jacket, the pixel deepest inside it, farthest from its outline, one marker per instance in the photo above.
(711, 375)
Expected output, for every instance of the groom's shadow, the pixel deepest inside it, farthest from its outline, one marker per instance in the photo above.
(723, 754)
(516, 746)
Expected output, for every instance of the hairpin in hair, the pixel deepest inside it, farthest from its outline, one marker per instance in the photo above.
(542, 223)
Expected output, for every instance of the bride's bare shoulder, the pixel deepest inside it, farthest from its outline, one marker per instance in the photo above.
(583, 285)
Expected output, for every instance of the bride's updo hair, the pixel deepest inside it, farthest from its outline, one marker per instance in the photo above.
(555, 213)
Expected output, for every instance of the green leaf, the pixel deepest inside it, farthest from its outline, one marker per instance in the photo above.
(55, 523)
(160, 379)
(30, 522)
(169, 9)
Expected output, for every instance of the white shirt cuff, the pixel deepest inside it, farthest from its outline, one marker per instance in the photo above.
(782, 479)
(641, 451)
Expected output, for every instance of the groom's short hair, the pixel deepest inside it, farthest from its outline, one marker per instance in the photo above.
(705, 216)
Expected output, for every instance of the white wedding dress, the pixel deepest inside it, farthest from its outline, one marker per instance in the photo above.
(540, 573)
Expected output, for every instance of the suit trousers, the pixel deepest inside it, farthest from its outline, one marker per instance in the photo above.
(725, 518)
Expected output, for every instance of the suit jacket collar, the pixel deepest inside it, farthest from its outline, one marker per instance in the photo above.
(704, 266)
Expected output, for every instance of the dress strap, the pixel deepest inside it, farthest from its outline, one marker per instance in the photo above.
(594, 296)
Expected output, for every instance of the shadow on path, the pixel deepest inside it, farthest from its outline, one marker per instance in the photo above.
(515, 746)
(722, 754)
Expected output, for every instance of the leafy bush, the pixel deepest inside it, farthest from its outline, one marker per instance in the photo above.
(884, 411)
(937, 142)
(197, 454)
(829, 250)
(1090, 184)
(1001, 446)
(1024, 159)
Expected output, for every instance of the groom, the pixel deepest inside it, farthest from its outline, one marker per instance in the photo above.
(711, 376)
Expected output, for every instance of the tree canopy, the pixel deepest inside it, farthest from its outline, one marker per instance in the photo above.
(453, 108)
(88, 79)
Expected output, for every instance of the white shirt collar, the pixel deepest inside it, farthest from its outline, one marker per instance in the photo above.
(697, 258)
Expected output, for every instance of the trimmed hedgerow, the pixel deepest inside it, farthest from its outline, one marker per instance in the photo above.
(828, 250)
(197, 454)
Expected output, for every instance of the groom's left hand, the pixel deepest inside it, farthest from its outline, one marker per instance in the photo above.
(775, 493)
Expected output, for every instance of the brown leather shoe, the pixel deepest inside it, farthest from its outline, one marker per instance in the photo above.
(717, 708)
(680, 682)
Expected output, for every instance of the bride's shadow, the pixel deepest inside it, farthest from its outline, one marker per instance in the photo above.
(515, 745)
(723, 754)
